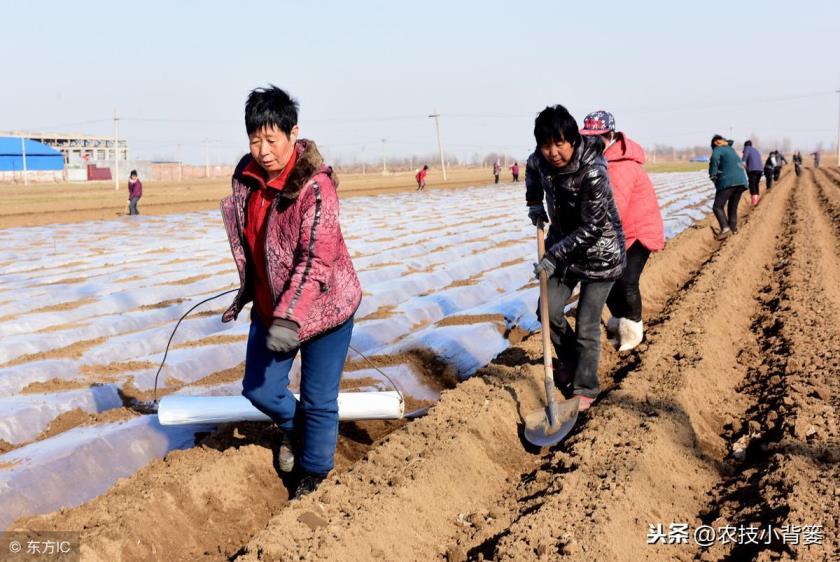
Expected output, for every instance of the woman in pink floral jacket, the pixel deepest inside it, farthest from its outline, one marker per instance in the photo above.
(282, 222)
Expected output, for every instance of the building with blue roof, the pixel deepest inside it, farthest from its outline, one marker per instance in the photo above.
(39, 157)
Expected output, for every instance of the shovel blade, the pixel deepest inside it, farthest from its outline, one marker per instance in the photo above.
(538, 428)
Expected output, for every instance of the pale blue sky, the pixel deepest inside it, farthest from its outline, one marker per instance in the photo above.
(368, 70)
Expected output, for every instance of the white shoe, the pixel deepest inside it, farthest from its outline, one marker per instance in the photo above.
(630, 334)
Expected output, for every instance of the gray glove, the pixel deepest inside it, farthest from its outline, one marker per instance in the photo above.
(283, 336)
(546, 264)
(537, 215)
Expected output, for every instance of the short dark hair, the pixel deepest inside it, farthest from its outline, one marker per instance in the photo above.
(748, 143)
(715, 139)
(133, 173)
(555, 123)
(271, 106)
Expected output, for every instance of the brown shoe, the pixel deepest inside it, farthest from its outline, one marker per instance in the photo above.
(723, 234)
(585, 402)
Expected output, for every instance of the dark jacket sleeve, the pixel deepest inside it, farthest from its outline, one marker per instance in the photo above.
(714, 165)
(595, 195)
(533, 184)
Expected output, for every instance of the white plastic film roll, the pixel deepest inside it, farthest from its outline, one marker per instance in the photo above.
(181, 410)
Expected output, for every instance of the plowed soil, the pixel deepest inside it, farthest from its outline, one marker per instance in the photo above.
(726, 416)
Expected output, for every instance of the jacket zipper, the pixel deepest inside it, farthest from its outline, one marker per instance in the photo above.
(265, 254)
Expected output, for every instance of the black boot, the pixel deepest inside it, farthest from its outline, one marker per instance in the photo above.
(307, 484)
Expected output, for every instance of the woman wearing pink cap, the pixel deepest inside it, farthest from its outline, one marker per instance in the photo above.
(641, 220)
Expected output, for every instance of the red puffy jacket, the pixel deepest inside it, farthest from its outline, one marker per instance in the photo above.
(634, 194)
(309, 269)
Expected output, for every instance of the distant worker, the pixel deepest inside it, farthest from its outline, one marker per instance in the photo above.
(497, 170)
(135, 192)
(797, 163)
(420, 177)
(282, 222)
(641, 220)
(816, 155)
(769, 168)
(585, 242)
(777, 169)
(514, 171)
(754, 166)
(727, 172)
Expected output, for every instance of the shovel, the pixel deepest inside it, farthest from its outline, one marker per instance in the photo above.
(549, 425)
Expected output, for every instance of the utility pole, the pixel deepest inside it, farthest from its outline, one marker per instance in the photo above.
(838, 127)
(436, 117)
(23, 153)
(731, 132)
(116, 150)
(384, 169)
(206, 158)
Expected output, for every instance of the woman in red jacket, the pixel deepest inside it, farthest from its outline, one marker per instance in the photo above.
(642, 222)
(282, 221)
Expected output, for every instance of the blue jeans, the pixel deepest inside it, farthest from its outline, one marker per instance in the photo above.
(132, 206)
(315, 418)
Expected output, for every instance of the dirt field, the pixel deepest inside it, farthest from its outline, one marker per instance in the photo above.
(727, 416)
(40, 204)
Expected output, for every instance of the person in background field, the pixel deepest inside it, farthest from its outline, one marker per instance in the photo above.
(752, 162)
(641, 221)
(514, 171)
(797, 163)
(497, 170)
(420, 177)
(585, 241)
(769, 167)
(283, 226)
(816, 155)
(777, 169)
(135, 192)
(727, 172)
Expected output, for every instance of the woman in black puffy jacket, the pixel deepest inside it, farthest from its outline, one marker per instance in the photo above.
(568, 175)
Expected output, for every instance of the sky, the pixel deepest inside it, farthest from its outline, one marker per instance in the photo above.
(178, 72)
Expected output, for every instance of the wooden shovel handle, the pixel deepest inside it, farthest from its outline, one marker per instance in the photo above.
(546, 332)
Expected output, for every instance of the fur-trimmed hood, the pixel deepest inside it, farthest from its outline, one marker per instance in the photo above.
(308, 163)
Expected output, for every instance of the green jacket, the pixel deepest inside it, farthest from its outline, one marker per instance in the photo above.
(726, 168)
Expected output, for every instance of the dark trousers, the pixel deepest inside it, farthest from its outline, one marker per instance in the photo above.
(132, 206)
(315, 418)
(581, 346)
(515, 177)
(776, 173)
(768, 177)
(729, 197)
(625, 299)
(755, 179)
(497, 178)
